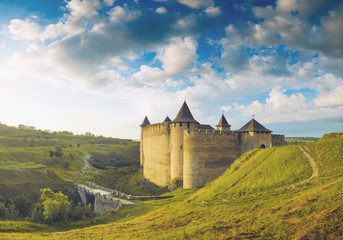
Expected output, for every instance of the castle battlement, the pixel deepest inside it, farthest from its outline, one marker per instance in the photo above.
(196, 153)
(209, 132)
(156, 126)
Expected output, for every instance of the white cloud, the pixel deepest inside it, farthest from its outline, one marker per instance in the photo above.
(213, 11)
(282, 108)
(281, 26)
(286, 5)
(24, 29)
(186, 23)
(178, 55)
(148, 75)
(84, 8)
(226, 108)
(109, 2)
(176, 58)
(279, 101)
(332, 98)
(196, 3)
(161, 10)
(118, 63)
(307, 70)
(120, 15)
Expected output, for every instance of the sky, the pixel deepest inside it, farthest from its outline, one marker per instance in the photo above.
(100, 66)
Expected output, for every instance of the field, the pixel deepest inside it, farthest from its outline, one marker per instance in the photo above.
(266, 194)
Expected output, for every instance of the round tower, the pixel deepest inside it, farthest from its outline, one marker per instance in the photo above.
(183, 121)
(141, 157)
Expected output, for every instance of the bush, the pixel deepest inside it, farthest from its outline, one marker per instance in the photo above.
(175, 183)
(2, 210)
(52, 208)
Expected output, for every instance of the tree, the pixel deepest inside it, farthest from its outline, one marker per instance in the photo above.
(56, 206)
(37, 214)
(2, 210)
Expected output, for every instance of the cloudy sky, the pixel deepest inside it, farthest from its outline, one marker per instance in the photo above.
(101, 65)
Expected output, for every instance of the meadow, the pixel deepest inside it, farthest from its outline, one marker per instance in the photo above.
(258, 197)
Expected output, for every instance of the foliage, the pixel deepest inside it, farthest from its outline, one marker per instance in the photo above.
(120, 156)
(175, 183)
(79, 212)
(56, 206)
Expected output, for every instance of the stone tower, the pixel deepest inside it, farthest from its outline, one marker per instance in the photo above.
(183, 121)
(144, 123)
(254, 135)
(223, 125)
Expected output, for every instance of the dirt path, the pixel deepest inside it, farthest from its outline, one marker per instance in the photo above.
(313, 166)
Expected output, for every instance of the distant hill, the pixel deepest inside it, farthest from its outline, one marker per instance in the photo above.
(301, 139)
(31, 159)
(266, 194)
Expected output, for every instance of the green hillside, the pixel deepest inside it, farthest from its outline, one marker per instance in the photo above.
(264, 195)
(31, 159)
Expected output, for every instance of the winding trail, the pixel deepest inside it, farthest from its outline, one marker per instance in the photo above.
(313, 166)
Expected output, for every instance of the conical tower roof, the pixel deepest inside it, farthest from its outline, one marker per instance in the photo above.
(253, 126)
(145, 122)
(167, 120)
(223, 122)
(184, 115)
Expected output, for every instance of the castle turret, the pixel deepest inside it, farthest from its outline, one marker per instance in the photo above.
(254, 135)
(144, 123)
(183, 121)
(223, 125)
(167, 120)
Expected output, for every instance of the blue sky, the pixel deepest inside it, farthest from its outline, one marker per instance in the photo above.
(101, 65)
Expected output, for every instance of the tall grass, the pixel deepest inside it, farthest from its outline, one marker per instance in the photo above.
(328, 154)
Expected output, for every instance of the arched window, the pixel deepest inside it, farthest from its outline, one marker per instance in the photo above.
(262, 146)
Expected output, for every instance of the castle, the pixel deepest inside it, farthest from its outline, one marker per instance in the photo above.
(196, 153)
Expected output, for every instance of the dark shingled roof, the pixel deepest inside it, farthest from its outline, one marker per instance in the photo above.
(184, 115)
(223, 122)
(205, 126)
(253, 126)
(145, 122)
(167, 120)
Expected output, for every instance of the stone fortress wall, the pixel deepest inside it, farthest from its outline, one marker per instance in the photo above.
(207, 154)
(252, 140)
(278, 140)
(182, 149)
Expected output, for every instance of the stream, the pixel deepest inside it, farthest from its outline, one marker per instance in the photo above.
(86, 162)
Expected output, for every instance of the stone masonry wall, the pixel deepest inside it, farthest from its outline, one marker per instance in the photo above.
(156, 153)
(252, 140)
(207, 154)
(278, 140)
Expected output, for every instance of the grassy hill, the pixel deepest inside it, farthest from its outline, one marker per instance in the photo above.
(31, 159)
(257, 198)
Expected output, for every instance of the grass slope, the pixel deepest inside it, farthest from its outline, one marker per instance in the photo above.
(256, 198)
(24, 151)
